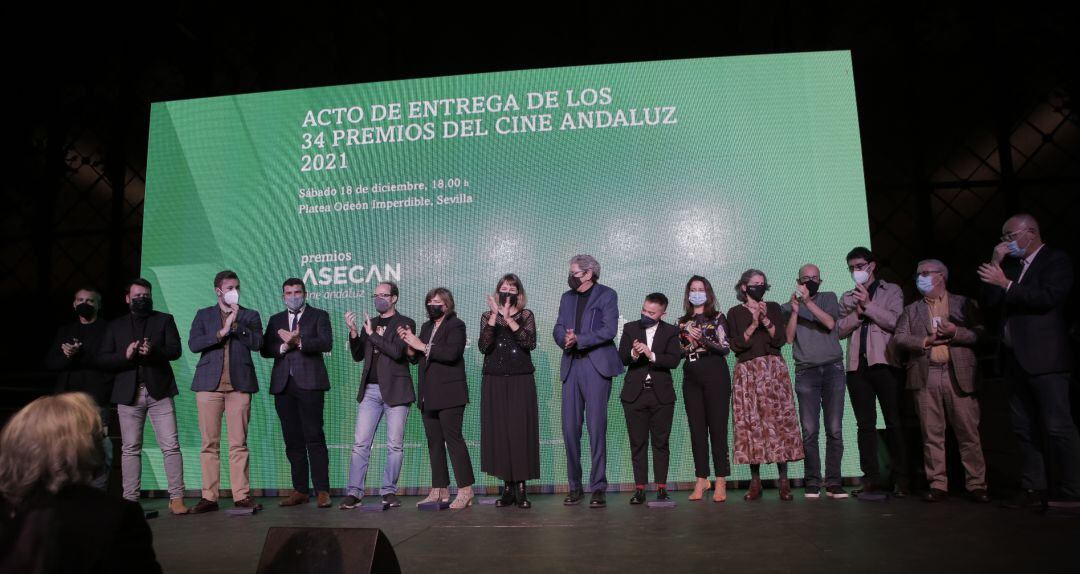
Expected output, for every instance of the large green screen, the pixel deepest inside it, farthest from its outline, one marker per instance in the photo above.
(660, 170)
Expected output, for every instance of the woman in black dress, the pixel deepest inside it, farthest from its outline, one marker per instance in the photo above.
(509, 416)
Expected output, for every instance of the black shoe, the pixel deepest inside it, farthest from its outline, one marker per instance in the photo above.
(901, 491)
(573, 497)
(662, 495)
(935, 495)
(598, 500)
(508, 495)
(1033, 499)
(391, 500)
(979, 495)
(638, 498)
(868, 488)
(350, 503)
(523, 496)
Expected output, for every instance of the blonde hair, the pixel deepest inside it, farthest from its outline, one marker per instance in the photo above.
(51, 443)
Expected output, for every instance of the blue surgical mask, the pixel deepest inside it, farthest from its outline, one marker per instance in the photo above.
(697, 298)
(1016, 251)
(925, 284)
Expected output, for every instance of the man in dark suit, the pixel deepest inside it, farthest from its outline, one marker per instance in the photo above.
(586, 327)
(296, 339)
(1030, 282)
(385, 389)
(139, 347)
(73, 356)
(650, 348)
(226, 334)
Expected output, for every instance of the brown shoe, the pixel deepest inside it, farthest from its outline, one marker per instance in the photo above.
(247, 503)
(785, 492)
(176, 506)
(295, 499)
(754, 493)
(204, 505)
(324, 499)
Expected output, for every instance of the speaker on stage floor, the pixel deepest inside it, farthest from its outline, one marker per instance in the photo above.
(327, 551)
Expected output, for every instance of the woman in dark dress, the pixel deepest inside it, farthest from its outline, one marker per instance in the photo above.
(706, 384)
(509, 416)
(762, 401)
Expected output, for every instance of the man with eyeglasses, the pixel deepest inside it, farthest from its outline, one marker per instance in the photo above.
(868, 315)
(1030, 282)
(939, 333)
(386, 389)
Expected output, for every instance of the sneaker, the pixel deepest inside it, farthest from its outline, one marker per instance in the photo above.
(836, 491)
(350, 503)
(812, 492)
(391, 500)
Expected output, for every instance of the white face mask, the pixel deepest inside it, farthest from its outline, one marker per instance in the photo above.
(860, 276)
(231, 298)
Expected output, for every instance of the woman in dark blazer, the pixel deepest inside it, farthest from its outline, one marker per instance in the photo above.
(443, 394)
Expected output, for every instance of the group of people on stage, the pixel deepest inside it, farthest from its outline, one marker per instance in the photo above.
(932, 338)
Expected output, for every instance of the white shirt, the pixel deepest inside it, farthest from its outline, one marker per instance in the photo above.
(1024, 264)
(298, 314)
(649, 334)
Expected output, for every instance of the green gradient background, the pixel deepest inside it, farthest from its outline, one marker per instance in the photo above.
(762, 170)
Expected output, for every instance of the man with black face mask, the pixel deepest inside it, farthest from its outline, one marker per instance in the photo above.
(139, 347)
(74, 357)
(812, 316)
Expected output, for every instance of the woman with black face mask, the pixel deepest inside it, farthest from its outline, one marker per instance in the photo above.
(763, 406)
(509, 414)
(443, 394)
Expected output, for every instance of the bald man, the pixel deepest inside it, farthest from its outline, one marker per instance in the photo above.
(1030, 282)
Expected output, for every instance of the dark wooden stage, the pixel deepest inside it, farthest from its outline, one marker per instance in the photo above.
(823, 535)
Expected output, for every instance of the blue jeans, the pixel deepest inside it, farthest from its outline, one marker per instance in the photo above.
(368, 414)
(818, 388)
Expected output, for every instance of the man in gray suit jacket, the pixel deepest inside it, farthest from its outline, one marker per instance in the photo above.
(938, 333)
(226, 334)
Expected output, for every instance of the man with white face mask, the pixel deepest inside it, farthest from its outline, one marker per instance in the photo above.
(939, 333)
(868, 317)
(226, 334)
(1030, 282)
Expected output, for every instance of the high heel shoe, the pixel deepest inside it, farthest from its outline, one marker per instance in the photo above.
(700, 487)
(755, 490)
(463, 499)
(523, 496)
(508, 494)
(436, 495)
(721, 490)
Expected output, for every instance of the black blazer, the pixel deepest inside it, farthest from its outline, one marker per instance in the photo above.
(668, 353)
(306, 362)
(1035, 311)
(245, 338)
(442, 372)
(155, 369)
(392, 366)
(83, 371)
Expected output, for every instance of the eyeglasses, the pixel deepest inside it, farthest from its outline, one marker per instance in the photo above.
(858, 266)
(809, 278)
(927, 272)
(382, 295)
(1012, 235)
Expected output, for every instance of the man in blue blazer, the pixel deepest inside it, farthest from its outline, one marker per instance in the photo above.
(296, 339)
(586, 328)
(226, 334)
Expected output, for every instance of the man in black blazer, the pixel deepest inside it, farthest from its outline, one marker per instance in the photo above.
(385, 389)
(74, 357)
(226, 334)
(650, 349)
(1030, 282)
(296, 339)
(139, 348)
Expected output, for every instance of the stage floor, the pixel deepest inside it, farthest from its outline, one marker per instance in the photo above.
(823, 535)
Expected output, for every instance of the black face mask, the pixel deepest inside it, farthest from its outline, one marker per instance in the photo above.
(435, 311)
(142, 305)
(812, 287)
(504, 297)
(85, 310)
(573, 282)
(647, 321)
(756, 292)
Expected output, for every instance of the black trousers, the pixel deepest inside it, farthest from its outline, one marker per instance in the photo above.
(301, 414)
(879, 384)
(707, 398)
(443, 430)
(648, 420)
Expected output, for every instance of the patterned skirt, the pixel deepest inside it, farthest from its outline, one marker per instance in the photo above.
(763, 409)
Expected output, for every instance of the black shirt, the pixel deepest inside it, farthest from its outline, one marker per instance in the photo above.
(378, 327)
(582, 302)
(866, 325)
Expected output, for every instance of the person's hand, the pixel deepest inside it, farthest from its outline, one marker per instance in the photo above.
(946, 330)
(794, 304)
(146, 347)
(410, 338)
(862, 297)
(693, 331)
(131, 349)
(505, 310)
(367, 324)
(1000, 251)
(991, 274)
(350, 322)
(285, 335)
(642, 349)
(70, 349)
(571, 339)
(493, 304)
(803, 291)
